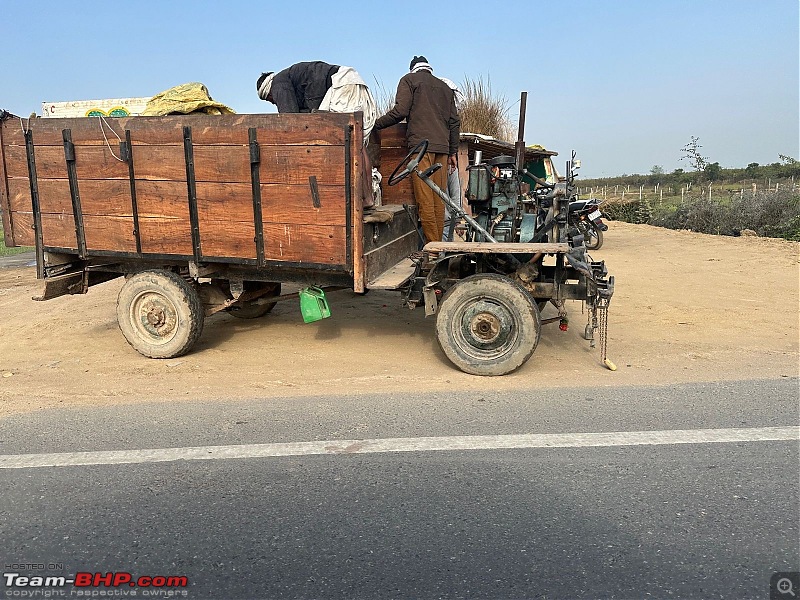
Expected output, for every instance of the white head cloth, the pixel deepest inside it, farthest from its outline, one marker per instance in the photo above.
(266, 86)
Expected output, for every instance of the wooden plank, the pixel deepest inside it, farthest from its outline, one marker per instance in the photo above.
(109, 233)
(390, 158)
(168, 199)
(161, 235)
(401, 193)
(279, 129)
(110, 197)
(489, 247)
(221, 164)
(156, 163)
(163, 199)
(281, 203)
(59, 230)
(295, 164)
(49, 157)
(304, 243)
(395, 277)
(54, 196)
(91, 162)
(228, 239)
(384, 257)
(23, 228)
(19, 194)
(394, 136)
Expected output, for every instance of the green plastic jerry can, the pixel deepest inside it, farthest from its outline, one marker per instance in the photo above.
(313, 304)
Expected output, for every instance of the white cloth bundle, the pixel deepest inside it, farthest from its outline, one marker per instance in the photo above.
(349, 93)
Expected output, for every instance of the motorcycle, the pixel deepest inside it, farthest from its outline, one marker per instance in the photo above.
(583, 217)
(586, 217)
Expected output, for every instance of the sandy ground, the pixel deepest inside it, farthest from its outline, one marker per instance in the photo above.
(688, 307)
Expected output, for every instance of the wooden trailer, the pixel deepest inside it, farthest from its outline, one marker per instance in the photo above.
(263, 191)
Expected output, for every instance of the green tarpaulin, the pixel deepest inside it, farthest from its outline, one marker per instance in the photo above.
(185, 99)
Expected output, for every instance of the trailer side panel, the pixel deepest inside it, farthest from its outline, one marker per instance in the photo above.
(184, 187)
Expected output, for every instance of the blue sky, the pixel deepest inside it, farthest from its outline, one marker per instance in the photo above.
(623, 82)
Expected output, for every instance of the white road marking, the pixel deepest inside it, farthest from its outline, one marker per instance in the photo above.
(420, 444)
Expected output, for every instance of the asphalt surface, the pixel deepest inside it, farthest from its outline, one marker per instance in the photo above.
(15, 261)
(666, 521)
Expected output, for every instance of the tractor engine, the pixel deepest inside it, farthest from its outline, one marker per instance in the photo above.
(493, 192)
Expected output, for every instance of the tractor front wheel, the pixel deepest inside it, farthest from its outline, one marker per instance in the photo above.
(488, 325)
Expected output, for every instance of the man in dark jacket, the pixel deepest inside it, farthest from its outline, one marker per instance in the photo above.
(428, 104)
(299, 88)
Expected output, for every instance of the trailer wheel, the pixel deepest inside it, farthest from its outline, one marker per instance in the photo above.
(160, 314)
(488, 325)
(255, 311)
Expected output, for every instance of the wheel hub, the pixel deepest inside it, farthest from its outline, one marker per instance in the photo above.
(156, 316)
(486, 325)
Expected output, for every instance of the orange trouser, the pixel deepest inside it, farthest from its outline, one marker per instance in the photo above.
(429, 205)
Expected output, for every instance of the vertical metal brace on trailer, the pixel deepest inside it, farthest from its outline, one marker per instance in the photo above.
(255, 177)
(126, 150)
(72, 174)
(192, 191)
(348, 194)
(37, 214)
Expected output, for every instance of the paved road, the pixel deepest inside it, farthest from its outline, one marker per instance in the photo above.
(15, 261)
(707, 520)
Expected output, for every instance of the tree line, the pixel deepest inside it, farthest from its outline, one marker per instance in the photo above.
(702, 170)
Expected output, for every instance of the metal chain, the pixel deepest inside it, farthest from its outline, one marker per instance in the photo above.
(603, 330)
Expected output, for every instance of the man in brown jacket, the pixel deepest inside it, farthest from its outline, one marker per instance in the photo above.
(428, 104)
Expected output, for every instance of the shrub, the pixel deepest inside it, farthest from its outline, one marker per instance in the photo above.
(483, 112)
(774, 213)
(622, 210)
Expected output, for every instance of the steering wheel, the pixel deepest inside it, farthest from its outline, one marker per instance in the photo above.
(410, 164)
